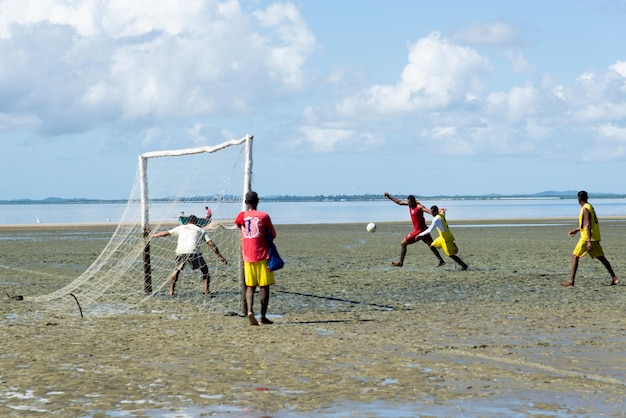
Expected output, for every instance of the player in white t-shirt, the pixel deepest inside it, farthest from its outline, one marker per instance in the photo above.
(190, 237)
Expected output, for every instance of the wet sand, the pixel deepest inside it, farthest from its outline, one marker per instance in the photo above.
(352, 334)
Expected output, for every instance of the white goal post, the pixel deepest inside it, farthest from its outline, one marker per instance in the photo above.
(133, 271)
(145, 198)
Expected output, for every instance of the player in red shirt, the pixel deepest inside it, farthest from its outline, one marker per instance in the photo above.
(254, 226)
(416, 211)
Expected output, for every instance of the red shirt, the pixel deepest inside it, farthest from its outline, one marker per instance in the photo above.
(417, 217)
(254, 225)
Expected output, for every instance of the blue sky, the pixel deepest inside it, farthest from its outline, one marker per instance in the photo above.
(342, 97)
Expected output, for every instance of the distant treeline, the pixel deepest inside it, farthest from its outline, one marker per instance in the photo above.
(371, 197)
(323, 198)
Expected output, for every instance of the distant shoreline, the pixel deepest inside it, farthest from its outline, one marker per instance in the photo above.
(456, 222)
(322, 198)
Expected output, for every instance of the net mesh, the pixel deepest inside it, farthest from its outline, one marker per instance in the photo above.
(133, 272)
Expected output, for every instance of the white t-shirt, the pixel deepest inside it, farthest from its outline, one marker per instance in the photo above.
(190, 238)
(436, 223)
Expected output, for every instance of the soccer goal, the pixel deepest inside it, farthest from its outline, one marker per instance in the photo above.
(133, 271)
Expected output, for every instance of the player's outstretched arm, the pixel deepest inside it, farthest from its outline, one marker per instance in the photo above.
(395, 199)
(160, 234)
(217, 251)
(424, 208)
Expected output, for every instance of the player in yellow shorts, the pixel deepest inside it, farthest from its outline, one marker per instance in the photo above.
(445, 240)
(254, 226)
(258, 274)
(589, 242)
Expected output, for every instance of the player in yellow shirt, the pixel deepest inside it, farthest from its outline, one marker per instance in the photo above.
(445, 240)
(589, 241)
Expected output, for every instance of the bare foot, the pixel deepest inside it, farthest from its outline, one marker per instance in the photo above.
(396, 264)
(252, 319)
(264, 320)
(615, 282)
(441, 263)
(567, 283)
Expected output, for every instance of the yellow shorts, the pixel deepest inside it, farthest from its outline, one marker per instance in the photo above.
(581, 249)
(257, 274)
(448, 247)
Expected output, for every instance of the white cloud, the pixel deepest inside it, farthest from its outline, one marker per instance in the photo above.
(323, 140)
(518, 61)
(202, 133)
(537, 131)
(505, 37)
(597, 97)
(514, 106)
(454, 140)
(586, 77)
(522, 102)
(77, 14)
(598, 112)
(620, 68)
(438, 72)
(609, 144)
(292, 41)
(439, 98)
(498, 34)
(610, 130)
(143, 60)
(439, 132)
(122, 19)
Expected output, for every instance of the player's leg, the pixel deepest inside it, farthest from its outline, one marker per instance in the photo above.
(400, 262)
(459, 261)
(250, 301)
(574, 269)
(180, 264)
(173, 280)
(250, 273)
(206, 278)
(427, 239)
(265, 301)
(408, 240)
(441, 260)
(607, 265)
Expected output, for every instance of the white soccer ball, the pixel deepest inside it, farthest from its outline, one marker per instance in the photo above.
(371, 227)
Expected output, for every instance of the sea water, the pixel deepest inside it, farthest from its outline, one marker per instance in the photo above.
(330, 212)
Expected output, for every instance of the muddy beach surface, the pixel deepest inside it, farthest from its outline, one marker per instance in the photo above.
(352, 335)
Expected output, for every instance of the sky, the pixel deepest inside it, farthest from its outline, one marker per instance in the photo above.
(342, 97)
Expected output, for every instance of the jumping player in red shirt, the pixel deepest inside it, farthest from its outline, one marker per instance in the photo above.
(416, 211)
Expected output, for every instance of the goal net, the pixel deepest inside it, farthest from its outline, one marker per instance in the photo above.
(133, 271)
